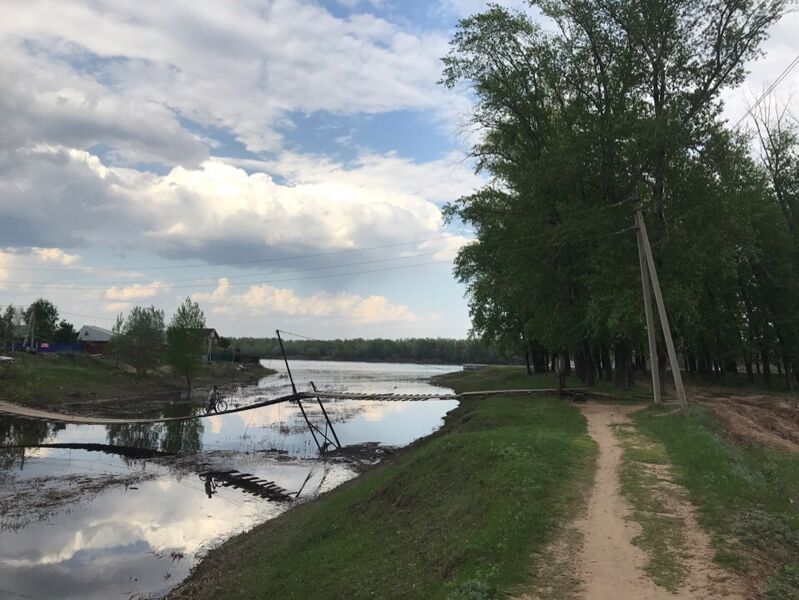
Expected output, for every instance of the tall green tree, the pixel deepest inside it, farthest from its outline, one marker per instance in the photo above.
(65, 332)
(619, 102)
(45, 315)
(142, 338)
(7, 320)
(186, 340)
(117, 343)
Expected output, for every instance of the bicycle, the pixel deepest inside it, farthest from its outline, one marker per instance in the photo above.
(215, 405)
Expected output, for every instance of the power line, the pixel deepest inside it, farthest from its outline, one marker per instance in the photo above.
(260, 282)
(770, 89)
(549, 243)
(562, 232)
(299, 335)
(562, 229)
(241, 262)
(241, 276)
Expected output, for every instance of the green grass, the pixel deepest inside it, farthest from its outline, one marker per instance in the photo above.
(747, 495)
(503, 377)
(662, 534)
(46, 378)
(496, 378)
(458, 515)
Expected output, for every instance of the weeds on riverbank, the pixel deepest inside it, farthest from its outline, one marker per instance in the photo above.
(748, 496)
(457, 515)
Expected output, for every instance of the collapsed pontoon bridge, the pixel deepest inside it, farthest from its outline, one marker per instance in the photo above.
(325, 440)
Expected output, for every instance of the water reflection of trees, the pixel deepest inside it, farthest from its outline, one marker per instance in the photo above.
(175, 437)
(17, 433)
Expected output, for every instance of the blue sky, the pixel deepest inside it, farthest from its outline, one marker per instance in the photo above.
(283, 162)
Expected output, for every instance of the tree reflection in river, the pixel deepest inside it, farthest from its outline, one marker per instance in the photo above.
(15, 434)
(174, 437)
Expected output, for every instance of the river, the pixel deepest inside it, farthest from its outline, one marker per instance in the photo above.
(100, 523)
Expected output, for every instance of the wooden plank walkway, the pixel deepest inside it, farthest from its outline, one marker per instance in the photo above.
(7, 408)
(16, 410)
(423, 397)
(248, 483)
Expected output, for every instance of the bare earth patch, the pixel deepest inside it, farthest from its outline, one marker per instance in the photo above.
(769, 420)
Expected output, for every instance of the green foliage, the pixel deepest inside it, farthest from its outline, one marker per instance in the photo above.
(117, 343)
(142, 338)
(15, 379)
(186, 340)
(45, 315)
(423, 350)
(65, 332)
(620, 103)
(7, 318)
(456, 516)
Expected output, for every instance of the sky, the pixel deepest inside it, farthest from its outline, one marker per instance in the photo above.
(282, 162)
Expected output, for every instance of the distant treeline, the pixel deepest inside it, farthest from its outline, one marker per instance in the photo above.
(422, 350)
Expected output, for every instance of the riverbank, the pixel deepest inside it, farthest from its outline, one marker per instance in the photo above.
(459, 513)
(97, 386)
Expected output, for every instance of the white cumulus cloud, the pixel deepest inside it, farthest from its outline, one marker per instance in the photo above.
(266, 299)
(137, 291)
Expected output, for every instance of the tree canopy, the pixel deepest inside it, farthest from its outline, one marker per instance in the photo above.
(186, 340)
(142, 338)
(617, 105)
(44, 315)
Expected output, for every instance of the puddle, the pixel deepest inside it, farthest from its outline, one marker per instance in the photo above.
(102, 513)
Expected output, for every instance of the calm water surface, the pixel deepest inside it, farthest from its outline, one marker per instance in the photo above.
(87, 524)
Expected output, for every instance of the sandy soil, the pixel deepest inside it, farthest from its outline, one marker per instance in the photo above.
(604, 563)
(769, 420)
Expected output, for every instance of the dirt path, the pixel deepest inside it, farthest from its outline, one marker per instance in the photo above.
(609, 564)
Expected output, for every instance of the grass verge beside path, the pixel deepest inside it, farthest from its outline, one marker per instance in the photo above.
(457, 515)
(747, 496)
(645, 485)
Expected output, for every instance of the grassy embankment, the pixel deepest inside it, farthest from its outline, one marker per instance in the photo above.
(747, 495)
(72, 380)
(460, 514)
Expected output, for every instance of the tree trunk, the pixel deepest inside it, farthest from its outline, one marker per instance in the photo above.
(527, 359)
(630, 372)
(606, 365)
(590, 367)
(749, 374)
(579, 365)
(620, 358)
(539, 363)
(567, 363)
(766, 367)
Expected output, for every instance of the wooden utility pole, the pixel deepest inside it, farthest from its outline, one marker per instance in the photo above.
(650, 319)
(33, 328)
(664, 320)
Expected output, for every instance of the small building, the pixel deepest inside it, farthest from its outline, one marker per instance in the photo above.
(94, 339)
(90, 333)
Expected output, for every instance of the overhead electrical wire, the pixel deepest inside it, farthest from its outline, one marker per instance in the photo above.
(562, 231)
(770, 89)
(216, 283)
(236, 263)
(130, 282)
